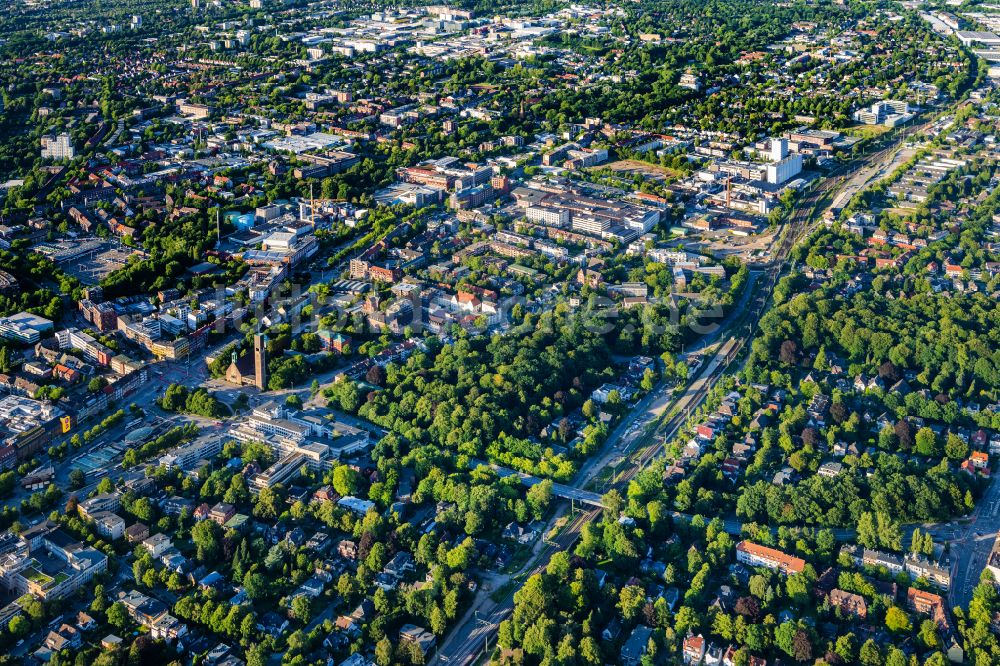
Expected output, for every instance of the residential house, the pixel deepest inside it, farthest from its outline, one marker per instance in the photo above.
(635, 646)
(85, 622)
(152, 614)
(66, 637)
(136, 533)
(693, 649)
(848, 603)
(830, 469)
(399, 565)
(221, 513)
(411, 633)
(348, 550)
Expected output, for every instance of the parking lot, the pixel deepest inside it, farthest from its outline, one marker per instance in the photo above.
(89, 259)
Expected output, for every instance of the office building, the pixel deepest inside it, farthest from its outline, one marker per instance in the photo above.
(286, 469)
(886, 112)
(316, 435)
(24, 327)
(187, 455)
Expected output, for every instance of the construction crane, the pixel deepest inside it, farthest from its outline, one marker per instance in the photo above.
(312, 205)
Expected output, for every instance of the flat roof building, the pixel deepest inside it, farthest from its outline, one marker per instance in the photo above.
(24, 327)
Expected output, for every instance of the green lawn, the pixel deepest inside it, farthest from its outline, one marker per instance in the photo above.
(867, 131)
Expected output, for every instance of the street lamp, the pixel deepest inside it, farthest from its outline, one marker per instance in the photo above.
(488, 625)
(614, 470)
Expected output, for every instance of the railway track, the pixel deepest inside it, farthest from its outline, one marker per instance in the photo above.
(666, 430)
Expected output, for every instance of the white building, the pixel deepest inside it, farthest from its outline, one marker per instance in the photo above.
(779, 149)
(355, 504)
(886, 112)
(591, 224)
(47, 563)
(157, 544)
(286, 469)
(785, 169)
(109, 525)
(689, 81)
(316, 435)
(970, 38)
(555, 217)
(186, 455)
(20, 414)
(24, 327)
(755, 555)
(57, 147)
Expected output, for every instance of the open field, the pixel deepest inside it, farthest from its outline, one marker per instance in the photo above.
(867, 131)
(633, 167)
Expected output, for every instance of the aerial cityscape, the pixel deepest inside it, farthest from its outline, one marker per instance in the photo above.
(640, 332)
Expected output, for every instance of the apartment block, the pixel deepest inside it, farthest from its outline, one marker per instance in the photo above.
(921, 567)
(755, 555)
(109, 525)
(928, 603)
(101, 315)
(93, 351)
(100, 503)
(58, 147)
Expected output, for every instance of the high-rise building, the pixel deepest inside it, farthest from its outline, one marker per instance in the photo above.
(58, 147)
(784, 170)
(779, 149)
(260, 361)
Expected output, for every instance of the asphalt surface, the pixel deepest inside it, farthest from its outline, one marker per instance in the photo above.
(971, 550)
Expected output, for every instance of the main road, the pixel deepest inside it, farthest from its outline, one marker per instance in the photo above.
(971, 551)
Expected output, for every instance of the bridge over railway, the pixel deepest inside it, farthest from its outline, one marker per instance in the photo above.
(593, 499)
